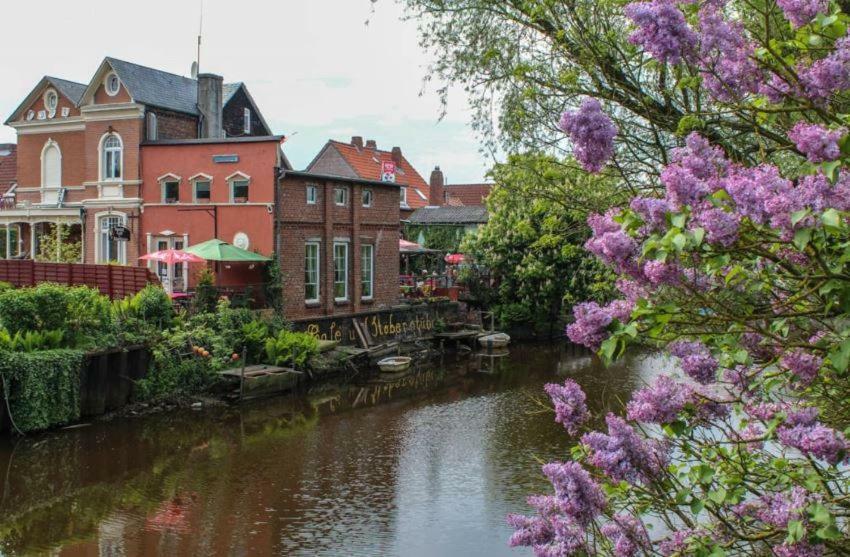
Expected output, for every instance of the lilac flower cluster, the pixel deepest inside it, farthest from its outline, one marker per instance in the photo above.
(678, 542)
(696, 360)
(694, 172)
(799, 549)
(622, 454)
(661, 30)
(653, 211)
(578, 496)
(729, 68)
(548, 533)
(590, 327)
(570, 408)
(804, 365)
(610, 244)
(816, 440)
(592, 133)
(778, 509)
(627, 535)
(826, 76)
(818, 143)
(801, 12)
(661, 272)
(659, 403)
(721, 227)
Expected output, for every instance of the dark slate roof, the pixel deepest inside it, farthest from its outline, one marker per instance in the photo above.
(70, 89)
(156, 87)
(449, 215)
(228, 90)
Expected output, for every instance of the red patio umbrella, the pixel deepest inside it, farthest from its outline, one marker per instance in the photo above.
(455, 258)
(172, 256)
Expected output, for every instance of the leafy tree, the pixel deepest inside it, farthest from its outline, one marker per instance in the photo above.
(532, 244)
(56, 246)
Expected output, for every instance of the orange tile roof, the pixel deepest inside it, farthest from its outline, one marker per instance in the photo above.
(366, 163)
(467, 194)
(8, 166)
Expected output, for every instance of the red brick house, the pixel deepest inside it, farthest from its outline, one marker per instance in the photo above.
(365, 161)
(338, 242)
(78, 156)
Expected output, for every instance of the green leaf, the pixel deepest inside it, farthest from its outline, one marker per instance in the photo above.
(840, 358)
(796, 531)
(797, 216)
(678, 220)
(699, 234)
(802, 238)
(831, 218)
(718, 495)
(830, 169)
(697, 505)
(829, 533)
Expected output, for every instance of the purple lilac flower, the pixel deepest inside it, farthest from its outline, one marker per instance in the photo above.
(653, 211)
(548, 533)
(592, 133)
(815, 440)
(721, 227)
(570, 408)
(659, 403)
(756, 346)
(678, 542)
(627, 534)
(740, 378)
(631, 290)
(818, 143)
(622, 454)
(661, 272)
(801, 12)
(799, 549)
(661, 30)
(777, 509)
(579, 497)
(751, 436)
(708, 405)
(727, 55)
(615, 249)
(829, 75)
(766, 411)
(590, 326)
(804, 365)
(694, 172)
(696, 360)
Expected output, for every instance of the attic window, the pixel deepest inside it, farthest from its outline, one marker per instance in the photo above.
(51, 101)
(246, 120)
(113, 84)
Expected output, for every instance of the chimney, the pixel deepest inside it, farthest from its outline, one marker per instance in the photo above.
(397, 155)
(357, 141)
(210, 97)
(371, 144)
(437, 181)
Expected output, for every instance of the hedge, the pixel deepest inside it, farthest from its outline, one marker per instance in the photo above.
(44, 387)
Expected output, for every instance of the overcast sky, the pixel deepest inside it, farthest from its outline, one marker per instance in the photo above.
(315, 68)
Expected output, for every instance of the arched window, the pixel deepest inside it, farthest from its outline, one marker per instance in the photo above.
(111, 162)
(51, 165)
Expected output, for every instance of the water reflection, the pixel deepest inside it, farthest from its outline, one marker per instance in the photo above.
(429, 464)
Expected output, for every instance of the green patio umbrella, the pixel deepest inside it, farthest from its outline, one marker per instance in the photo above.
(219, 250)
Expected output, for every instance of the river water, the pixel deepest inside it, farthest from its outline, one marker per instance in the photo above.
(428, 465)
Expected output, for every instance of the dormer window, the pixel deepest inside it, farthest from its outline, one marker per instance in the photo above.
(246, 121)
(239, 186)
(51, 102)
(112, 85)
(112, 155)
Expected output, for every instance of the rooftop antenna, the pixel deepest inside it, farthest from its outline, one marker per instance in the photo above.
(197, 65)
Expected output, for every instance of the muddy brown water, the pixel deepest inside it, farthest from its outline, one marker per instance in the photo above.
(428, 465)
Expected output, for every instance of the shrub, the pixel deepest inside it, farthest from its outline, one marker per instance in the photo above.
(44, 387)
(289, 347)
(30, 341)
(205, 292)
(154, 306)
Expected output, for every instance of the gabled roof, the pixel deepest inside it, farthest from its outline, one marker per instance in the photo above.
(467, 194)
(71, 90)
(8, 166)
(154, 87)
(449, 215)
(365, 163)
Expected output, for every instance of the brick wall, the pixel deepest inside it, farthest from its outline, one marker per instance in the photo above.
(233, 117)
(326, 222)
(173, 125)
(72, 147)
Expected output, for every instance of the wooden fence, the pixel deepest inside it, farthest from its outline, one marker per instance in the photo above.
(113, 280)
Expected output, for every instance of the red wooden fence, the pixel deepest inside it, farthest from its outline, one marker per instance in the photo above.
(113, 280)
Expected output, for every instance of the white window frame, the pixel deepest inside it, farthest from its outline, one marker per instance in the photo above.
(194, 181)
(370, 248)
(231, 182)
(363, 197)
(344, 190)
(246, 120)
(51, 111)
(403, 198)
(103, 152)
(121, 246)
(107, 88)
(318, 247)
(314, 198)
(169, 180)
(344, 297)
(152, 127)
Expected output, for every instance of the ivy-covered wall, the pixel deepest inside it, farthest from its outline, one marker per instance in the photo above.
(443, 237)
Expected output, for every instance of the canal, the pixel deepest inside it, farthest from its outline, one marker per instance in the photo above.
(427, 465)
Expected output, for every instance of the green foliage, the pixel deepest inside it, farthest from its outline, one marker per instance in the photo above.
(273, 285)
(205, 292)
(446, 238)
(289, 347)
(44, 387)
(532, 244)
(58, 249)
(30, 341)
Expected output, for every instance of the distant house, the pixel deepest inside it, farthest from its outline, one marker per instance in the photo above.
(365, 161)
(8, 167)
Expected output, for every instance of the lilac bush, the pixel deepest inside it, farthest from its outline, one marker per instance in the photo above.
(592, 133)
(737, 268)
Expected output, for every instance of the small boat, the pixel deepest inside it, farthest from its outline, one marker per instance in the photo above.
(395, 364)
(494, 340)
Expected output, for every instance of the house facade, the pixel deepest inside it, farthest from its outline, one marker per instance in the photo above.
(338, 244)
(79, 168)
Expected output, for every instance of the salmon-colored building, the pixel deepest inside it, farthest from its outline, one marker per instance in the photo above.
(200, 189)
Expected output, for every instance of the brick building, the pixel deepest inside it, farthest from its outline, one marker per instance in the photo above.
(338, 244)
(78, 155)
(364, 161)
